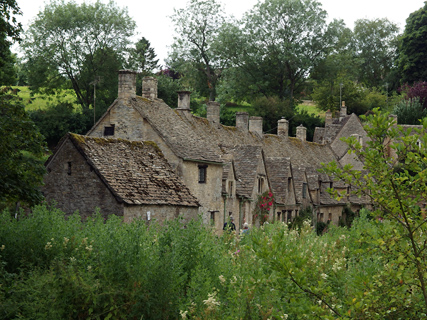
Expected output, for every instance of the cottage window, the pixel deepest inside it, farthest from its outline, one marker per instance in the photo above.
(109, 131)
(69, 169)
(304, 190)
(212, 218)
(260, 185)
(289, 218)
(202, 173)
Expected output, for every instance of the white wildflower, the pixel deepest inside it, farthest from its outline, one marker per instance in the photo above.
(222, 278)
(2, 247)
(89, 268)
(72, 259)
(66, 241)
(183, 314)
(48, 245)
(211, 301)
(89, 248)
(324, 276)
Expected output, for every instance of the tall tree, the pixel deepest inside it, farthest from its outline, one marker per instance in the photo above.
(196, 50)
(10, 31)
(72, 43)
(412, 58)
(278, 44)
(21, 151)
(376, 45)
(143, 58)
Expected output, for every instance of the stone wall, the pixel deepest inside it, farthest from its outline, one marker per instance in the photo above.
(72, 183)
(160, 213)
(128, 123)
(208, 193)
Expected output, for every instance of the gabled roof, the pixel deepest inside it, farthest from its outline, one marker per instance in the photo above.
(173, 128)
(246, 161)
(279, 170)
(136, 172)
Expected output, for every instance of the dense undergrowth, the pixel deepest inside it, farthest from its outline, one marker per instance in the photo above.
(57, 268)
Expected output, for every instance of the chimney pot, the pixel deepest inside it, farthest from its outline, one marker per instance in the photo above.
(242, 120)
(127, 84)
(184, 100)
(213, 111)
(255, 125)
(302, 133)
(343, 111)
(282, 127)
(149, 88)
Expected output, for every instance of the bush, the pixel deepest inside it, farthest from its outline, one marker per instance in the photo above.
(409, 112)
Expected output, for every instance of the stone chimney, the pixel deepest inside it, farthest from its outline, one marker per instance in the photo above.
(213, 109)
(282, 127)
(255, 125)
(242, 121)
(301, 133)
(328, 118)
(343, 111)
(149, 88)
(184, 100)
(127, 84)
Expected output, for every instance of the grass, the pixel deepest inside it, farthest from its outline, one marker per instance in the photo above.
(41, 101)
(310, 107)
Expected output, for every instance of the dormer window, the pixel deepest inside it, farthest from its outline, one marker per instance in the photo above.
(202, 173)
(109, 130)
(260, 185)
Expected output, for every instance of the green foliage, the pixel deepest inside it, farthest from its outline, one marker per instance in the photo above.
(398, 196)
(78, 46)
(57, 119)
(409, 112)
(271, 109)
(376, 45)
(274, 47)
(21, 153)
(196, 51)
(412, 52)
(357, 97)
(109, 269)
(142, 58)
(10, 31)
(167, 90)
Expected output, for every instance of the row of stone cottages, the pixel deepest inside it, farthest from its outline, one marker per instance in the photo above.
(143, 159)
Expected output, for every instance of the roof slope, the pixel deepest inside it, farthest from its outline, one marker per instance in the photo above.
(175, 130)
(135, 172)
(279, 170)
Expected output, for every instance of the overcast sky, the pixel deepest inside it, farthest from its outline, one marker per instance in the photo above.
(152, 20)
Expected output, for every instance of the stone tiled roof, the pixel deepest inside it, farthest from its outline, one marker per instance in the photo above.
(329, 132)
(175, 130)
(135, 172)
(298, 174)
(246, 160)
(279, 170)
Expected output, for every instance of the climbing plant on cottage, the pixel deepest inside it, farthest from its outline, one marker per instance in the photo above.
(263, 206)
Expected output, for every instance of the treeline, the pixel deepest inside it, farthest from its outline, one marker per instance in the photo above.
(281, 51)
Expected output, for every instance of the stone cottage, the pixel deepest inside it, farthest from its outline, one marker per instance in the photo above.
(226, 168)
(122, 177)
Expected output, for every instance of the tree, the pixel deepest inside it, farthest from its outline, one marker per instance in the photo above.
(10, 31)
(142, 58)
(277, 45)
(21, 151)
(75, 44)
(376, 45)
(412, 58)
(196, 51)
(395, 179)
